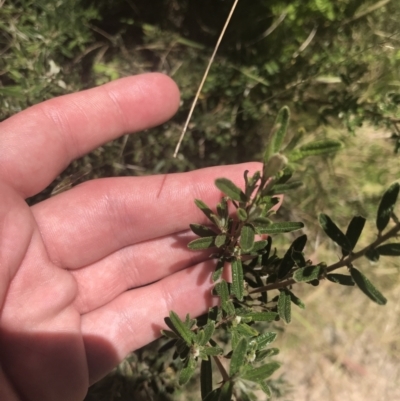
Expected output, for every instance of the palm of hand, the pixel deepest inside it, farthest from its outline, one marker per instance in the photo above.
(87, 276)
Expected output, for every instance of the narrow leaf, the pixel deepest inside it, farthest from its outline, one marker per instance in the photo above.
(247, 236)
(265, 339)
(315, 148)
(205, 378)
(389, 250)
(284, 306)
(208, 332)
(204, 208)
(353, 232)
(265, 388)
(281, 126)
(213, 396)
(246, 330)
(333, 231)
(169, 334)
(181, 328)
(277, 228)
(296, 300)
(291, 256)
(226, 392)
(187, 371)
(261, 355)
(372, 255)
(261, 373)
(220, 240)
(386, 206)
(274, 165)
(213, 351)
(342, 279)
(202, 243)
(229, 188)
(238, 357)
(283, 188)
(241, 214)
(367, 287)
(218, 270)
(202, 231)
(308, 273)
(237, 279)
(262, 316)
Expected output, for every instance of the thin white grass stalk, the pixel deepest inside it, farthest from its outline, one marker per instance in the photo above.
(205, 77)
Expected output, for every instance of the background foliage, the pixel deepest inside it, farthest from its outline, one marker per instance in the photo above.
(335, 63)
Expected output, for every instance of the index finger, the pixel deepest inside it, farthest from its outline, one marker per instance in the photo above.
(38, 143)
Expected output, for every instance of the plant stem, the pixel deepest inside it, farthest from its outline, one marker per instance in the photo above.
(341, 263)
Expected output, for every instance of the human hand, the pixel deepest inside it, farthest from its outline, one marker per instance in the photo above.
(88, 275)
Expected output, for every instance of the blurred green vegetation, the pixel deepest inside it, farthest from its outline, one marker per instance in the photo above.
(335, 63)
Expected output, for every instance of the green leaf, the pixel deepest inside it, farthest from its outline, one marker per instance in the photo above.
(213, 351)
(181, 328)
(261, 373)
(262, 316)
(247, 235)
(276, 163)
(229, 188)
(372, 255)
(246, 330)
(296, 300)
(367, 287)
(220, 240)
(237, 279)
(205, 378)
(202, 231)
(208, 332)
(315, 148)
(169, 334)
(213, 396)
(389, 250)
(308, 273)
(241, 214)
(204, 208)
(222, 209)
(238, 357)
(277, 228)
(202, 243)
(284, 175)
(291, 255)
(386, 206)
(226, 391)
(223, 291)
(283, 188)
(187, 371)
(218, 270)
(261, 355)
(333, 231)
(264, 339)
(284, 306)
(265, 388)
(342, 279)
(281, 126)
(353, 232)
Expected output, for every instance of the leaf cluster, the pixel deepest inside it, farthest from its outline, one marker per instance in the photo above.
(240, 235)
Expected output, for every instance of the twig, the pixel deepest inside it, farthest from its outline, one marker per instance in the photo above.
(204, 78)
(341, 263)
